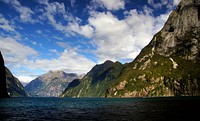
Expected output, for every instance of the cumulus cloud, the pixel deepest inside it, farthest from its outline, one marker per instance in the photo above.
(72, 28)
(109, 4)
(123, 39)
(25, 12)
(69, 61)
(16, 54)
(85, 30)
(112, 36)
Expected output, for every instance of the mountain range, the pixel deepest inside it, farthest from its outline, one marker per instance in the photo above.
(51, 84)
(168, 66)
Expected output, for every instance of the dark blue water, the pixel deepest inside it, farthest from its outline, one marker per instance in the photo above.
(100, 109)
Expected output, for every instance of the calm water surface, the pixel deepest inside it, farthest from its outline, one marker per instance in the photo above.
(100, 109)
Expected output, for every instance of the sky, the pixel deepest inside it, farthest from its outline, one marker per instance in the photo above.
(74, 35)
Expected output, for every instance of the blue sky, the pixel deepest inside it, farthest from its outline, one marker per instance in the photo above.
(73, 35)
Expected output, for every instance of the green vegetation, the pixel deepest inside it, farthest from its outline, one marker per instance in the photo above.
(159, 78)
(96, 82)
(15, 88)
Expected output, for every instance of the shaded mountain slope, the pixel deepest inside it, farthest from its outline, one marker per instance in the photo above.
(14, 86)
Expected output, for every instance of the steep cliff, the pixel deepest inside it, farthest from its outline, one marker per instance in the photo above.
(14, 86)
(3, 86)
(170, 64)
(51, 84)
(96, 82)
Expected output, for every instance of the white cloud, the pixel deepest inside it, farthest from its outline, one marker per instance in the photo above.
(69, 61)
(5, 24)
(85, 30)
(157, 4)
(16, 54)
(123, 39)
(50, 10)
(170, 4)
(109, 4)
(25, 79)
(176, 2)
(112, 37)
(72, 28)
(25, 12)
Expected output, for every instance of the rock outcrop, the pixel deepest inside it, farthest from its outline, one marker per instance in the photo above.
(3, 86)
(51, 84)
(170, 64)
(96, 82)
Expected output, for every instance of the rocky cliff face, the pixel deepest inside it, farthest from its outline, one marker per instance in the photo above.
(170, 64)
(96, 82)
(3, 86)
(51, 84)
(14, 87)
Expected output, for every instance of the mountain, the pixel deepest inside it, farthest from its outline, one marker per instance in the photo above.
(96, 82)
(24, 83)
(10, 86)
(3, 88)
(170, 64)
(14, 87)
(51, 84)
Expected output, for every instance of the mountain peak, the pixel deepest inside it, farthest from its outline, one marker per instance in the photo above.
(96, 82)
(180, 34)
(52, 83)
(108, 62)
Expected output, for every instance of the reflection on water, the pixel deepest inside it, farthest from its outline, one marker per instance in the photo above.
(99, 109)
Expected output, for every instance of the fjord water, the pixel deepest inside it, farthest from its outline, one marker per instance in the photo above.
(99, 109)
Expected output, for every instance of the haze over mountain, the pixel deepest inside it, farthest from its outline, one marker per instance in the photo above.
(51, 84)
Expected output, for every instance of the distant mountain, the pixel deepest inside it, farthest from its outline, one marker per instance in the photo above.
(170, 64)
(96, 82)
(14, 87)
(24, 83)
(51, 84)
